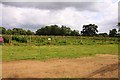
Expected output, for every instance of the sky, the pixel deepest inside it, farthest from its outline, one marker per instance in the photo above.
(34, 15)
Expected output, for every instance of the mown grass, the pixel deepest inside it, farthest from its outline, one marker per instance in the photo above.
(10, 53)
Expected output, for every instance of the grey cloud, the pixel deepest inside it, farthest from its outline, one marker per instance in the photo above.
(54, 5)
(81, 6)
(32, 27)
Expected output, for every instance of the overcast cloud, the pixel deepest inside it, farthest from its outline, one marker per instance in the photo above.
(34, 15)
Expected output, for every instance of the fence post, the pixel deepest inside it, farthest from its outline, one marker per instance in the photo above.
(10, 40)
(30, 40)
(80, 39)
(94, 39)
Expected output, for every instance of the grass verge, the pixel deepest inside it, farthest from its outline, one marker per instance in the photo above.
(10, 53)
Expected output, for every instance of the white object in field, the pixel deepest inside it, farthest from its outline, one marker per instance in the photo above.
(49, 39)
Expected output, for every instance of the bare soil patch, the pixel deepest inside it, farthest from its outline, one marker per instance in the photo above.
(99, 66)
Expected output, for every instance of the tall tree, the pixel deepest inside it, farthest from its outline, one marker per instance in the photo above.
(89, 30)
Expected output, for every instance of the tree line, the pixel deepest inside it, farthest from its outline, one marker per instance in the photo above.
(56, 30)
(88, 30)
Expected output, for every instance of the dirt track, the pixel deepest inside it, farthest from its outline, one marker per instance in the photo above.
(100, 66)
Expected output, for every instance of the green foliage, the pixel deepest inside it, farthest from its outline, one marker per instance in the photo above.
(59, 40)
(9, 32)
(2, 30)
(15, 31)
(103, 34)
(28, 32)
(18, 31)
(118, 24)
(89, 30)
(113, 33)
(21, 39)
(56, 30)
(6, 39)
(75, 33)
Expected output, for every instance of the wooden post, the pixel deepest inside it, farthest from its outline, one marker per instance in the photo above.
(30, 40)
(10, 40)
(80, 39)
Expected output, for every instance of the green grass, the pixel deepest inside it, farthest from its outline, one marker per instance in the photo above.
(10, 53)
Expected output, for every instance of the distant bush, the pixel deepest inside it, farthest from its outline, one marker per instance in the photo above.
(21, 39)
(6, 39)
(62, 42)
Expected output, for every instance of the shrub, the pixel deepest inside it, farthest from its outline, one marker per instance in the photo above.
(6, 39)
(23, 40)
(20, 39)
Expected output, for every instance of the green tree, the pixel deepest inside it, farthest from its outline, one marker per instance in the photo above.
(49, 30)
(28, 32)
(65, 30)
(9, 31)
(56, 30)
(89, 30)
(18, 31)
(113, 33)
(2, 30)
(118, 25)
(103, 34)
(75, 33)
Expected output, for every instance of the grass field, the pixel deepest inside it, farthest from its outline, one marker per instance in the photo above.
(45, 52)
